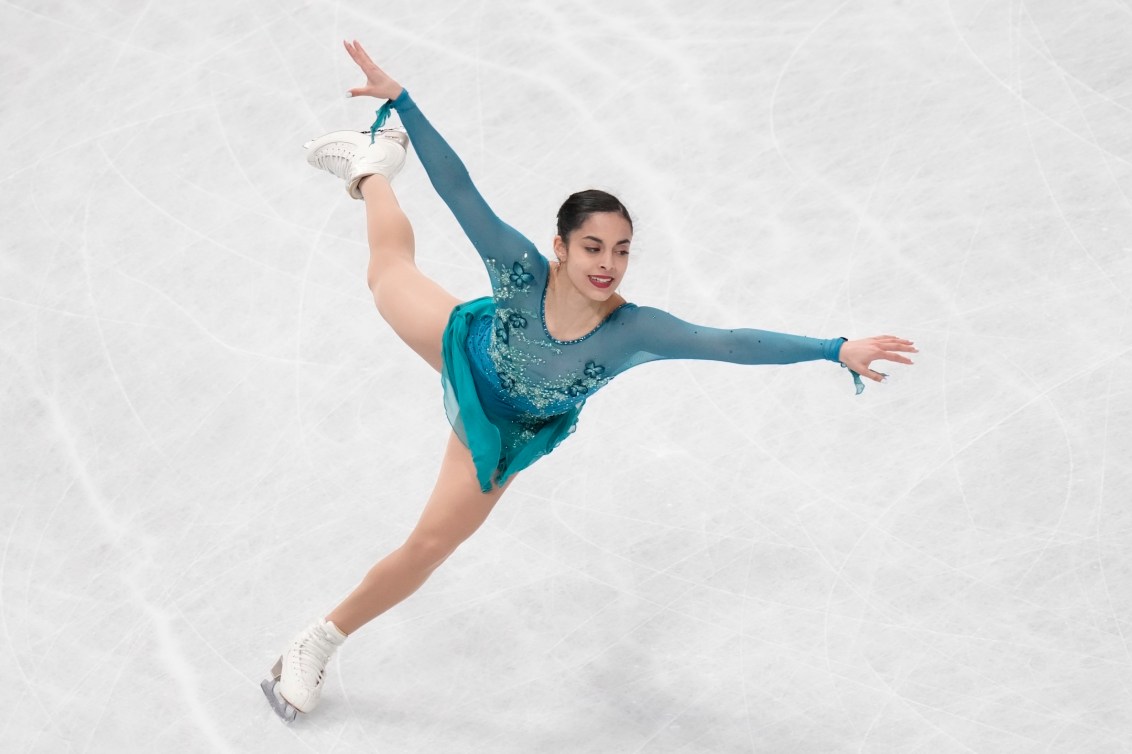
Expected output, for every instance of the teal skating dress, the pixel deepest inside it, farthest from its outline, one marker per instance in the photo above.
(511, 391)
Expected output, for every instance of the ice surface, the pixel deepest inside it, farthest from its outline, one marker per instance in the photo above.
(209, 434)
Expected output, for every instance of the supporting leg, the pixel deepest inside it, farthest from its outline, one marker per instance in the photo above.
(454, 511)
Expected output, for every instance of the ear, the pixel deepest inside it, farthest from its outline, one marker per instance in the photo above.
(559, 248)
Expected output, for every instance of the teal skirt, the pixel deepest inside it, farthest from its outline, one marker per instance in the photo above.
(502, 441)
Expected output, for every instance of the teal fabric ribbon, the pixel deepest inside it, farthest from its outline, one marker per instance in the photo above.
(382, 116)
(857, 380)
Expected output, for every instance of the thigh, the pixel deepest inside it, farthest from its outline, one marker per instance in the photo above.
(416, 307)
(457, 506)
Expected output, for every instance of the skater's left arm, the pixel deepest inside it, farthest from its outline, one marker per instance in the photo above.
(651, 334)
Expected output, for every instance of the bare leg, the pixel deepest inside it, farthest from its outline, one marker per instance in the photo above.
(414, 305)
(454, 511)
(418, 310)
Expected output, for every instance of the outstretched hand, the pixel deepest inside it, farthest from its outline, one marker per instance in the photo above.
(378, 83)
(858, 354)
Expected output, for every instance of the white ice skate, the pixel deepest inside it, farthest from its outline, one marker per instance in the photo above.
(350, 156)
(296, 680)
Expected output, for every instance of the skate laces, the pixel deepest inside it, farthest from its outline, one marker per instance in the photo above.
(314, 651)
(382, 116)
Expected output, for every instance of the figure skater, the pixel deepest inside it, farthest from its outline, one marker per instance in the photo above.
(517, 366)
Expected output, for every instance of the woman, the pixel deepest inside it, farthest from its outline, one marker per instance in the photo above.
(516, 366)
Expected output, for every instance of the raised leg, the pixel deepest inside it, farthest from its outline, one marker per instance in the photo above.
(413, 304)
(454, 511)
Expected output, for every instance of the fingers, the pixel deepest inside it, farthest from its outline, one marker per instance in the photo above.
(871, 374)
(892, 343)
(886, 348)
(358, 54)
(354, 55)
(363, 54)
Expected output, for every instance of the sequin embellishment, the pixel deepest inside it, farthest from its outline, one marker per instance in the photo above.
(508, 320)
(533, 370)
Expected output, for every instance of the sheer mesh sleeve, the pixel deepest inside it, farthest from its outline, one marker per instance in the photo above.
(554, 375)
(494, 239)
(645, 334)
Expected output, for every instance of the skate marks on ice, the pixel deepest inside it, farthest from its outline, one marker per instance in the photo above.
(191, 367)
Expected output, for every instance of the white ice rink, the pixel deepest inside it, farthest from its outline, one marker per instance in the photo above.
(209, 434)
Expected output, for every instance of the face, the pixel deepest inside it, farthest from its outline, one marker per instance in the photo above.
(598, 249)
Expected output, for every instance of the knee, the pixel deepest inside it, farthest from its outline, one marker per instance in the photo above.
(374, 280)
(374, 275)
(386, 280)
(428, 551)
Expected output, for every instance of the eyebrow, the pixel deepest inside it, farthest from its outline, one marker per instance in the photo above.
(598, 240)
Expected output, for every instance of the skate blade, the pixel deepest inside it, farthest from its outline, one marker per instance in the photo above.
(282, 707)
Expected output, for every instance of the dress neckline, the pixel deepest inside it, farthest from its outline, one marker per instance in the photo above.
(542, 316)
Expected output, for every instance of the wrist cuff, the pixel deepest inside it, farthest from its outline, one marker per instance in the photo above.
(403, 101)
(832, 350)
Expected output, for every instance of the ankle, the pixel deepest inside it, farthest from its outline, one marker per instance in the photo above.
(373, 182)
(333, 630)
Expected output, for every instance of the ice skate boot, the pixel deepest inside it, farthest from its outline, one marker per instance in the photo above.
(296, 680)
(350, 156)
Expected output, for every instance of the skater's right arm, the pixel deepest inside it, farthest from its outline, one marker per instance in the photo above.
(493, 238)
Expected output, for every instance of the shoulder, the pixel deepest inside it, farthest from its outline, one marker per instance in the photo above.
(624, 316)
(620, 308)
(632, 311)
(646, 321)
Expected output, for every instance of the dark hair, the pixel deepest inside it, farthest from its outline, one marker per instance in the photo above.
(577, 209)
